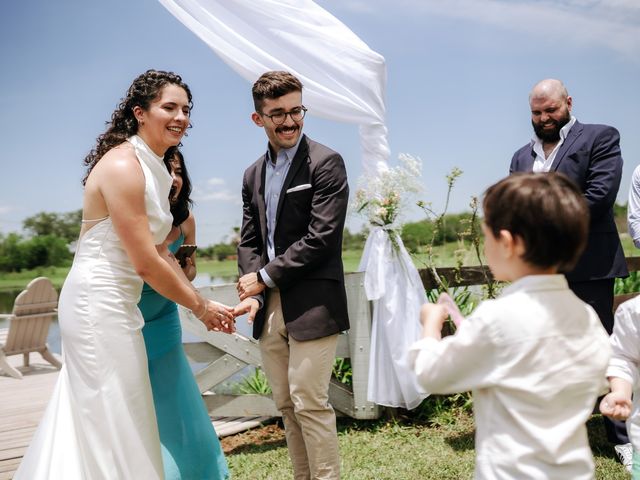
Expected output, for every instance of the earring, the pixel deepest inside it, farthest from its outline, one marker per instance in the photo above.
(140, 122)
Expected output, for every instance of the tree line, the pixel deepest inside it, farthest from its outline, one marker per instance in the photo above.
(49, 239)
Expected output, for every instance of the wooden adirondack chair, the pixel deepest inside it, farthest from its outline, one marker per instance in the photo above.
(33, 310)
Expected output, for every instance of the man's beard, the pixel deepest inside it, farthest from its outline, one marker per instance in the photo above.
(554, 134)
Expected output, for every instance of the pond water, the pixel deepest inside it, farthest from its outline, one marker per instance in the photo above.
(7, 298)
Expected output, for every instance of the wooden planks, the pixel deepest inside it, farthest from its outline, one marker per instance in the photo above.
(22, 404)
(23, 401)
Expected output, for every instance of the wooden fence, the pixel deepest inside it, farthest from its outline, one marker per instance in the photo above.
(225, 355)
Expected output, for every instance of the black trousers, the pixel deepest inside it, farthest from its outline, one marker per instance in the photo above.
(599, 294)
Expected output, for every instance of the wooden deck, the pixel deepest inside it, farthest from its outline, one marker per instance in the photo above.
(22, 404)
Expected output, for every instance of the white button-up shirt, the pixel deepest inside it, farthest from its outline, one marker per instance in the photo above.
(625, 359)
(535, 359)
(633, 207)
(542, 163)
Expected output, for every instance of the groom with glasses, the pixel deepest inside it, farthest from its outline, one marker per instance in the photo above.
(290, 261)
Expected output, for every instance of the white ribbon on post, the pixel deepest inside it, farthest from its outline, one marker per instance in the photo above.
(394, 286)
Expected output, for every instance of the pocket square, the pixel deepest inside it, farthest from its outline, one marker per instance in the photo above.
(297, 188)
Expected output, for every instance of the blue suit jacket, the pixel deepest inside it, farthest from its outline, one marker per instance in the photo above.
(591, 157)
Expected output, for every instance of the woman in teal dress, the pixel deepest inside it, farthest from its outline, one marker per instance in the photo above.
(190, 446)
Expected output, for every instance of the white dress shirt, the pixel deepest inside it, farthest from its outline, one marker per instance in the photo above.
(541, 162)
(535, 359)
(625, 359)
(633, 207)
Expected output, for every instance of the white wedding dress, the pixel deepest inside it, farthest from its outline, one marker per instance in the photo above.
(100, 422)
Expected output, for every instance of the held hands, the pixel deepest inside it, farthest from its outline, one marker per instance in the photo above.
(248, 286)
(218, 317)
(616, 405)
(248, 305)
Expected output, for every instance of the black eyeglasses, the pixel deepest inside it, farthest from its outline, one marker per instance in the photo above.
(279, 118)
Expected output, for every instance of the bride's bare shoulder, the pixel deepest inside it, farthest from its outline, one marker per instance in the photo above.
(120, 160)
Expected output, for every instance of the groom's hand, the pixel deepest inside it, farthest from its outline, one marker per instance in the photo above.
(248, 305)
(249, 286)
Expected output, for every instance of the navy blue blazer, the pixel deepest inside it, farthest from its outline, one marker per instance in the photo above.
(310, 219)
(591, 157)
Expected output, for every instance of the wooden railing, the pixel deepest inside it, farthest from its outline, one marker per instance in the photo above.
(225, 355)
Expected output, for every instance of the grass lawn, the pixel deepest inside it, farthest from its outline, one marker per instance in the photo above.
(385, 449)
(19, 280)
(403, 448)
(443, 256)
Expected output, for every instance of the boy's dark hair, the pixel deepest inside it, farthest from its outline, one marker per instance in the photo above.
(273, 84)
(546, 210)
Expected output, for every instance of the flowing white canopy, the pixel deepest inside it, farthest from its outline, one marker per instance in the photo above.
(343, 78)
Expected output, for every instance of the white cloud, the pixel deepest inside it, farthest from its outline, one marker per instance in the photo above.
(215, 181)
(614, 24)
(208, 194)
(220, 196)
(215, 190)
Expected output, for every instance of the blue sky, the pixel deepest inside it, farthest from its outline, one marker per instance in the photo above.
(459, 72)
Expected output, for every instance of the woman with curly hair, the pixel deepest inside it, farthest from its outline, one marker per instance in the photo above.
(100, 422)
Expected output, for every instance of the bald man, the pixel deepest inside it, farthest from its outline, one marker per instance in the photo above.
(590, 155)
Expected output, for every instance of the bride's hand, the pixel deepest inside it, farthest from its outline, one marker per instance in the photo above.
(219, 317)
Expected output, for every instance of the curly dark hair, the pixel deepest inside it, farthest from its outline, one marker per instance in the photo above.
(144, 90)
(182, 205)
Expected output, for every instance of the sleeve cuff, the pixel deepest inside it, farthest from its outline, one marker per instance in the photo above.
(267, 279)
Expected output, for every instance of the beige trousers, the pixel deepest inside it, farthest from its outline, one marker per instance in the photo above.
(299, 375)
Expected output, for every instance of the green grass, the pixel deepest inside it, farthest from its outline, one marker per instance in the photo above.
(443, 256)
(216, 268)
(401, 449)
(17, 281)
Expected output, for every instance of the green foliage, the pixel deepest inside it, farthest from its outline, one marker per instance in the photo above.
(439, 410)
(620, 216)
(256, 383)
(353, 241)
(17, 253)
(631, 284)
(418, 235)
(11, 253)
(221, 251)
(342, 371)
(46, 251)
(63, 225)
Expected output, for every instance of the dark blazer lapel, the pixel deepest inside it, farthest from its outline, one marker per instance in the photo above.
(259, 182)
(573, 135)
(298, 160)
(528, 161)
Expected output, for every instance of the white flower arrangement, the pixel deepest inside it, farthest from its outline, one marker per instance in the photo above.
(383, 197)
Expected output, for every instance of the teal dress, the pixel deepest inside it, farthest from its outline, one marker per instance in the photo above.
(190, 446)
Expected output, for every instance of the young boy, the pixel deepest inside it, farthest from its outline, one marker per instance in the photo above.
(623, 374)
(535, 358)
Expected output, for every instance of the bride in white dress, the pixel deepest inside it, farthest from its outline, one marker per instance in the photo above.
(100, 422)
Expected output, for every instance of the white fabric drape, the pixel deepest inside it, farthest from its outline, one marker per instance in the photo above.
(394, 285)
(343, 78)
